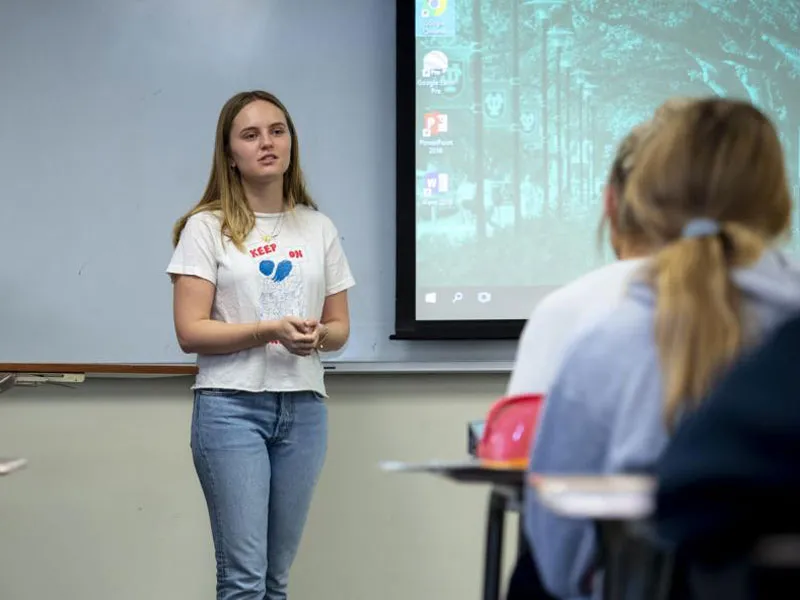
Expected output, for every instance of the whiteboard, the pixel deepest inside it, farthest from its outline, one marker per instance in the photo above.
(107, 118)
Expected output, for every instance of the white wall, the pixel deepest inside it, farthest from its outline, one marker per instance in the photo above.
(109, 507)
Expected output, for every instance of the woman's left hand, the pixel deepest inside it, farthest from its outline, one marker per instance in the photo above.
(320, 332)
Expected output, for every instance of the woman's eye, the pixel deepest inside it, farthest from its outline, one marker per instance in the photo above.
(278, 132)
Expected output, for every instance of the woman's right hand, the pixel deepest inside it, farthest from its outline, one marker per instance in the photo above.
(296, 336)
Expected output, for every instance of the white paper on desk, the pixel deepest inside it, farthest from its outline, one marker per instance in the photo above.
(597, 506)
(597, 497)
(431, 465)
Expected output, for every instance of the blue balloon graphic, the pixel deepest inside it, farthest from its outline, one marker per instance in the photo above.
(283, 270)
(266, 267)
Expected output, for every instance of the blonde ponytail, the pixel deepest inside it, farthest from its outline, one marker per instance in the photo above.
(700, 327)
(710, 193)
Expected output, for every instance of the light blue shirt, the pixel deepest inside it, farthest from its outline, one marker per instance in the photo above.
(604, 412)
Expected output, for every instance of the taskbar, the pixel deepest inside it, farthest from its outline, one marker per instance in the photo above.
(473, 303)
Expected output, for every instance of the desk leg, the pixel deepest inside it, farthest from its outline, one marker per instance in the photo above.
(609, 534)
(494, 546)
(522, 541)
(634, 566)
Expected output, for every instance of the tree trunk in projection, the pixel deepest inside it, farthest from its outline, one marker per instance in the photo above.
(559, 147)
(567, 134)
(477, 82)
(589, 151)
(545, 116)
(516, 179)
(581, 136)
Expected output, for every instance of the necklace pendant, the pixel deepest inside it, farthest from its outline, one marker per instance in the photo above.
(267, 238)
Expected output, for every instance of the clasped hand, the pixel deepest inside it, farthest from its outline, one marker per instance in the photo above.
(299, 336)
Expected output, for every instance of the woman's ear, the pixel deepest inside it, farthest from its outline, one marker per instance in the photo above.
(610, 204)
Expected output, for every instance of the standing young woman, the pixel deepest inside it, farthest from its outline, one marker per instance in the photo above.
(260, 288)
(709, 195)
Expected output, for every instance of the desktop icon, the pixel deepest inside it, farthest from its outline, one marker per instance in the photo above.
(434, 123)
(433, 8)
(436, 183)
(435, 19)
(434, 64)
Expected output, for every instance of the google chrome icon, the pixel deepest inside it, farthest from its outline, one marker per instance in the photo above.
(434, 8)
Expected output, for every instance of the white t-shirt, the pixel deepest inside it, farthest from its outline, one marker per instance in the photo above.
(290, 275)
(559, 317)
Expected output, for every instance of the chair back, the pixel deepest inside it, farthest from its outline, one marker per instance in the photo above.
(509, 430)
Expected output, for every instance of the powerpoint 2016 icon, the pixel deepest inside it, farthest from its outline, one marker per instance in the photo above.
(434, 124)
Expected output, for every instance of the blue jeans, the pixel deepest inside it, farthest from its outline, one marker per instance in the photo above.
(258, 457)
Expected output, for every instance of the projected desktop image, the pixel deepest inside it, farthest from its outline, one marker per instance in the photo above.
(519, 107)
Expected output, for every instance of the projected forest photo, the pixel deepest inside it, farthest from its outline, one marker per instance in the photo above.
(521, 104)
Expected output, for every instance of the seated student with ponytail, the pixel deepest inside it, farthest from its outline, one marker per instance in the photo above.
(709, 197)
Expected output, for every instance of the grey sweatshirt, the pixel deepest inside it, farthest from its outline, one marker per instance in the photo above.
(604, 412)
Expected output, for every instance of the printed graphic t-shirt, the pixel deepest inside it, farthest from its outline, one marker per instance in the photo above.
(289, 275)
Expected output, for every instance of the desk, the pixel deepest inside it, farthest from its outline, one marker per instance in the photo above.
(507, 486)
(9, 465)
(7, 381)
(620, 506)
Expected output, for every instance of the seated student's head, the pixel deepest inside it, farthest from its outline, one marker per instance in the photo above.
(709, 193)
(621, 167)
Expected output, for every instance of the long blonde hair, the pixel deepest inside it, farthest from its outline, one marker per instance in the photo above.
(224, 191)
(630, 148)
(719, 160)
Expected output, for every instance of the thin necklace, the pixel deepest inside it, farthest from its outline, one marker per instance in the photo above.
(276, 229)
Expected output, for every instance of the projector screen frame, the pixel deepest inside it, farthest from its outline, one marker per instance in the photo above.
(407, 326)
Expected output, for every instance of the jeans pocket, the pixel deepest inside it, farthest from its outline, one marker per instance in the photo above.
(223, 420)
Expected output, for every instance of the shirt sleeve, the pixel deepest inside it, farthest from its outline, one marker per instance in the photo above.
(338, 276)
(195, 253)
(535, 360)
(571, 438)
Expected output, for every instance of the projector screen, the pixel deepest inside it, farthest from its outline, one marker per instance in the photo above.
(509, 113)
